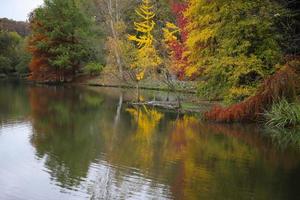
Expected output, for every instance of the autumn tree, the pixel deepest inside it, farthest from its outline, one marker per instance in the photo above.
(109, 14)
(233, 45)
(58, 42)
(175, 36)
(146, 57)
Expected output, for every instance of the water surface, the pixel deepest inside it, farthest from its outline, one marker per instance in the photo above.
(86, 143)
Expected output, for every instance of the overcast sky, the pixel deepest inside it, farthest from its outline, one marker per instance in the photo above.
(18, 9)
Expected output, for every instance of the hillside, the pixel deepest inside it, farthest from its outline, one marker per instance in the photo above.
(20, 27)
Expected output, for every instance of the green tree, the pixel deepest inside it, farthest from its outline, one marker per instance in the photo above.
(60, 32)
(23, 58)
(9, 42)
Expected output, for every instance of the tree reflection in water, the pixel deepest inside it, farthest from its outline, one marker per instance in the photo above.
(64, 133)
(96, 142)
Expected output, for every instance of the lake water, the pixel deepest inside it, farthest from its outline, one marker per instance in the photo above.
(87, 143)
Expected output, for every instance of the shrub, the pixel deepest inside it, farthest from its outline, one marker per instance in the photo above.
(5, 64)
(283, 114)
(93, 68)
(238, 94)
(22, 67)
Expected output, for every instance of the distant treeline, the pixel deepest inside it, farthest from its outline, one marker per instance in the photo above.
(22, 28)
(14, 58)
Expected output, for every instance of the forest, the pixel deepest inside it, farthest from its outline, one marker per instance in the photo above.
(243, 54)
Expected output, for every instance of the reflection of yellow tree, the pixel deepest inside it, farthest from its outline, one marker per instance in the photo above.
(198, 161)
(146, 121)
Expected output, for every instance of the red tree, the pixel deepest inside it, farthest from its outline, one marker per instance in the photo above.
(177, 46)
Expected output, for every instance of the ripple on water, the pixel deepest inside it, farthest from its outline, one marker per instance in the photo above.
(107, 181)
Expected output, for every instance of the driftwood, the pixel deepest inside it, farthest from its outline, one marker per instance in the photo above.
(174, 106)
(159, 104)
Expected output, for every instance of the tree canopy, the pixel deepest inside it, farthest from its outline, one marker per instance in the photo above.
(59, 40)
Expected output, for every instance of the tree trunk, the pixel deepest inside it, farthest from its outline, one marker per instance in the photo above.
(115, 36)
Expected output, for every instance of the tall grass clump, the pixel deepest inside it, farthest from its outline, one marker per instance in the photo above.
(283, 114)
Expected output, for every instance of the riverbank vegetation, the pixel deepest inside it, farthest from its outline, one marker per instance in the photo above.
(245, 53)
(13, 56)
(284, 114)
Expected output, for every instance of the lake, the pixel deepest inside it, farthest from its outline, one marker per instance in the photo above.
(87, 143)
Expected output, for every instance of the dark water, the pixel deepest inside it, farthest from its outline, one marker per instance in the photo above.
(79, 143)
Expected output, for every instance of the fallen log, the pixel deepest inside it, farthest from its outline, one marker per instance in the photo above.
(159, 104)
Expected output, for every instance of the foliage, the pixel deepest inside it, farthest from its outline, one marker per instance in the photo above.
(145, 27)
(58, 40)
(175, 37)
(24, 58)
(232, 44)
(5, 64)
(93, 68)
(9, 42)
(237, 94)
(281, 85)
(175, 50)
(289, 25)
(116, 53)
(146, 56)
(283, 114)
(22, 28)
(11, 51)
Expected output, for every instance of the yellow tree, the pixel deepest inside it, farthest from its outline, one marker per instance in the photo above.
(146, 56)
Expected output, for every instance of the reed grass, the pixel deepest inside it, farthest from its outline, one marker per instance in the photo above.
(283, 114)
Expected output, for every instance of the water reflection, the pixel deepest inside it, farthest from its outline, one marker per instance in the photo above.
(65, 123)
(13, 101)
(94, 146)
(227, 162)
(285, 138)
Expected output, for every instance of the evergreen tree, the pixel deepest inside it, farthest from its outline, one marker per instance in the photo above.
(58, 41)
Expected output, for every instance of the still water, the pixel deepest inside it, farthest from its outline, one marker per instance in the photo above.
(86, 143)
